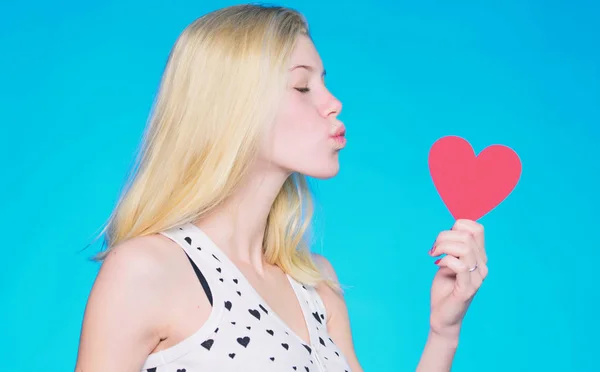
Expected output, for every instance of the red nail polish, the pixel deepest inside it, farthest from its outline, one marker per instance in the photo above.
(437, 261)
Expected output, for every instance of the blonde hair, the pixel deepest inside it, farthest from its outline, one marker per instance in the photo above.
(218, 94)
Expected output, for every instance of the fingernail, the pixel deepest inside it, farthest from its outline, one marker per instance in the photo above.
(432, 249)
(437, 261)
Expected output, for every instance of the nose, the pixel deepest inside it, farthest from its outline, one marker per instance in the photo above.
(333, 106)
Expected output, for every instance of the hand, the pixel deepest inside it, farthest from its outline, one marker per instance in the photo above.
(454, 286)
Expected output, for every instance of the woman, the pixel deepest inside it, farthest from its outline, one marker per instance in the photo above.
(207, 267)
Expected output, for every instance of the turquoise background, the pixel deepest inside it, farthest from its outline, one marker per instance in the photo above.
(77, 80)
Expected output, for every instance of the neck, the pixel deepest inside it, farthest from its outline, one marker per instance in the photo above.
(237, 226)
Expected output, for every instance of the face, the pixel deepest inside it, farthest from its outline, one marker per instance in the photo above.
(307, 136)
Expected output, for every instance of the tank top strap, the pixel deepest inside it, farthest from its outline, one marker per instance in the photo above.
(313, 309)
(193, 241)
(206, 264)
(319, 304)
(203, 256)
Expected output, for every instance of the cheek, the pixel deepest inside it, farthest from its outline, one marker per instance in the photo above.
(299, 138)
(299, 125)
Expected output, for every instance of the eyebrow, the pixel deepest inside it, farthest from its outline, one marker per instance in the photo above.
(309, 68)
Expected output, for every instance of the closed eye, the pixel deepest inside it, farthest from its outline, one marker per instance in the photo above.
(303, 90)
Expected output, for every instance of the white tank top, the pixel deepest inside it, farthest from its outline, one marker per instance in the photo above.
(242, 333)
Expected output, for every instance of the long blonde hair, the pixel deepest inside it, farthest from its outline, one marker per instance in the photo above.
(218, 94)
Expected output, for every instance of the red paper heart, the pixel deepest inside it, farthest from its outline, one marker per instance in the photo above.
(470, 185)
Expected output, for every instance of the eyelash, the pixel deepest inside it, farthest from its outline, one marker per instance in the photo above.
(303, 90)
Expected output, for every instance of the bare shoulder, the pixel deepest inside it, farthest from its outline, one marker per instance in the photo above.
(333, 300)
(338, 321)
(140, 265)
(138, 255)
(124, 317)
(325, 266)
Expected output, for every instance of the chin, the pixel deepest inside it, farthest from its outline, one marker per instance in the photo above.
(323, 173)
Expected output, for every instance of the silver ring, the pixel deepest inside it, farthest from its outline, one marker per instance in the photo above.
(474, 268)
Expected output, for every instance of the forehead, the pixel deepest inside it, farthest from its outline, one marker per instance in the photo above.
(305, 53)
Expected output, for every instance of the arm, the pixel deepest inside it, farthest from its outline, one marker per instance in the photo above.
(438, 354)
(338, 321)
(122, 320)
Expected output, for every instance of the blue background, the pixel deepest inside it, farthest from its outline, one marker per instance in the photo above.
(78, 79)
